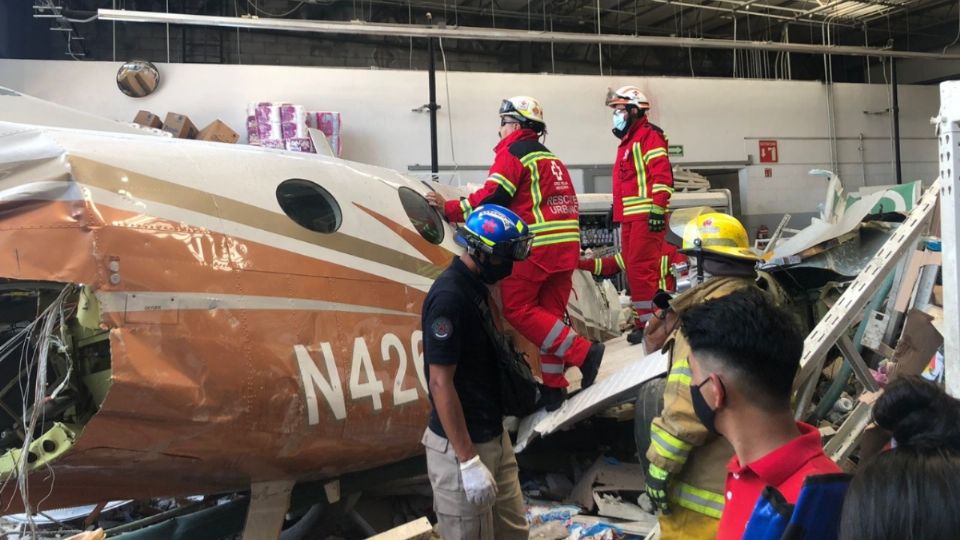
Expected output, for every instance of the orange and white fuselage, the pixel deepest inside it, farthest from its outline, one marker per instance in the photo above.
(243, 346)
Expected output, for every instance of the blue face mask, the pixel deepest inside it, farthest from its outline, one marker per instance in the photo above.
(620, 120)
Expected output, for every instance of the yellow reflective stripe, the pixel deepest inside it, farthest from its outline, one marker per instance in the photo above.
(665, 451)
(657, 473)
(641, 170)
(559, 238)
(680, 373)
(699, 500)
(533, 157)
(536, 196)
(655, 153)
(633, 211)
(680, 446)
(466, 208)
(636, 200)
(657, 188)
(619, 259)
(555, 225)
(597, 266)
(663, 272)
(502, 181)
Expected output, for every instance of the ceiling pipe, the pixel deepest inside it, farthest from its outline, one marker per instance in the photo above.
(492, 34)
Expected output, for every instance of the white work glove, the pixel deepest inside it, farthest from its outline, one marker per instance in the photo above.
(478, 482)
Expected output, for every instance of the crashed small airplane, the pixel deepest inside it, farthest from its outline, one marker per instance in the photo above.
(185, 317)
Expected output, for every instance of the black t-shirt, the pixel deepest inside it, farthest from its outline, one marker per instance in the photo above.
(453, 334)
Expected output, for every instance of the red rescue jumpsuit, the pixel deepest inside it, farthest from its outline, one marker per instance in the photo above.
(528, 179)
(612, 265)
(642, 179)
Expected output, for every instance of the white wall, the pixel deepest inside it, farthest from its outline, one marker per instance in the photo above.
(716, 120)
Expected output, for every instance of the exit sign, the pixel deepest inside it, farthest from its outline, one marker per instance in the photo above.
(675, 150)
(768, 152)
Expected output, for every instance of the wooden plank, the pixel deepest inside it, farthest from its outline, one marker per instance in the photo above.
(269, 502)
(419, 529)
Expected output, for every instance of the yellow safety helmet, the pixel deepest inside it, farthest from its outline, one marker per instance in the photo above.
(713, 232)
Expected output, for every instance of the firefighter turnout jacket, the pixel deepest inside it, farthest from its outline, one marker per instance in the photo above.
(642, 177)
(530, 180)
(679, 443)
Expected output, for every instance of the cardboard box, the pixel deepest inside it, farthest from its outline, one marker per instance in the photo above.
(148, 119)
(180, 126)
(136, 83)
(217, 131)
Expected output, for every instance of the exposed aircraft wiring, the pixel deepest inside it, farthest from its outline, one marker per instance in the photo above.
(35, 342)
(446, 88)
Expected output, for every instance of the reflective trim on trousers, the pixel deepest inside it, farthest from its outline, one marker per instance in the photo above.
(643, 304)
(562, 350)
(664, 272)
(553, 369)
(552, 336)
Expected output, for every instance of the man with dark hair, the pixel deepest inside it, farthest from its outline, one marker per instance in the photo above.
(744, 354)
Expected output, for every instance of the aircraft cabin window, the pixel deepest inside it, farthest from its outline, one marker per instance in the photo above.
(309, 205)
(425, 219)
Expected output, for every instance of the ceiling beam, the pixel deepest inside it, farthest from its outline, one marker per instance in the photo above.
(404, 30)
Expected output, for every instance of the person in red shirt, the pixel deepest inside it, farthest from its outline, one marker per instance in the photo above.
(642, 186)
(745, 353)
(531, 181)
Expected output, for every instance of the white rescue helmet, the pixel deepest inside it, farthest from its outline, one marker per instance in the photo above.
(523, 108)
(627, 95)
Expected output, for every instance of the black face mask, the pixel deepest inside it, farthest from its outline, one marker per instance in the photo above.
(705, 414)
(491, 273)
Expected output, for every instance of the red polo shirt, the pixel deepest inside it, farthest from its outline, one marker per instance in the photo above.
(785, 468)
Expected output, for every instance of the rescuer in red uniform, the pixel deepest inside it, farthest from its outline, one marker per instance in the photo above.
(642, 185)
(528, 179)
(612, 265)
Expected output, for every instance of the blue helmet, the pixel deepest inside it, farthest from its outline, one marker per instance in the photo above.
(495, 230)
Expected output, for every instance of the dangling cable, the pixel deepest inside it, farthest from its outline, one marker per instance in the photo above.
(446, 88)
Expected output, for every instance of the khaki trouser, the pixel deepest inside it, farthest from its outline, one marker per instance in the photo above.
(684, 524)
(457, 518)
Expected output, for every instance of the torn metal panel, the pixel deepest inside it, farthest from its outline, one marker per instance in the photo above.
(842, 213)
(614, 388)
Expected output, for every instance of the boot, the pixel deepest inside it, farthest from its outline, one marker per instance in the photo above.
(551, 398)
(635, 337)
(591, 365)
